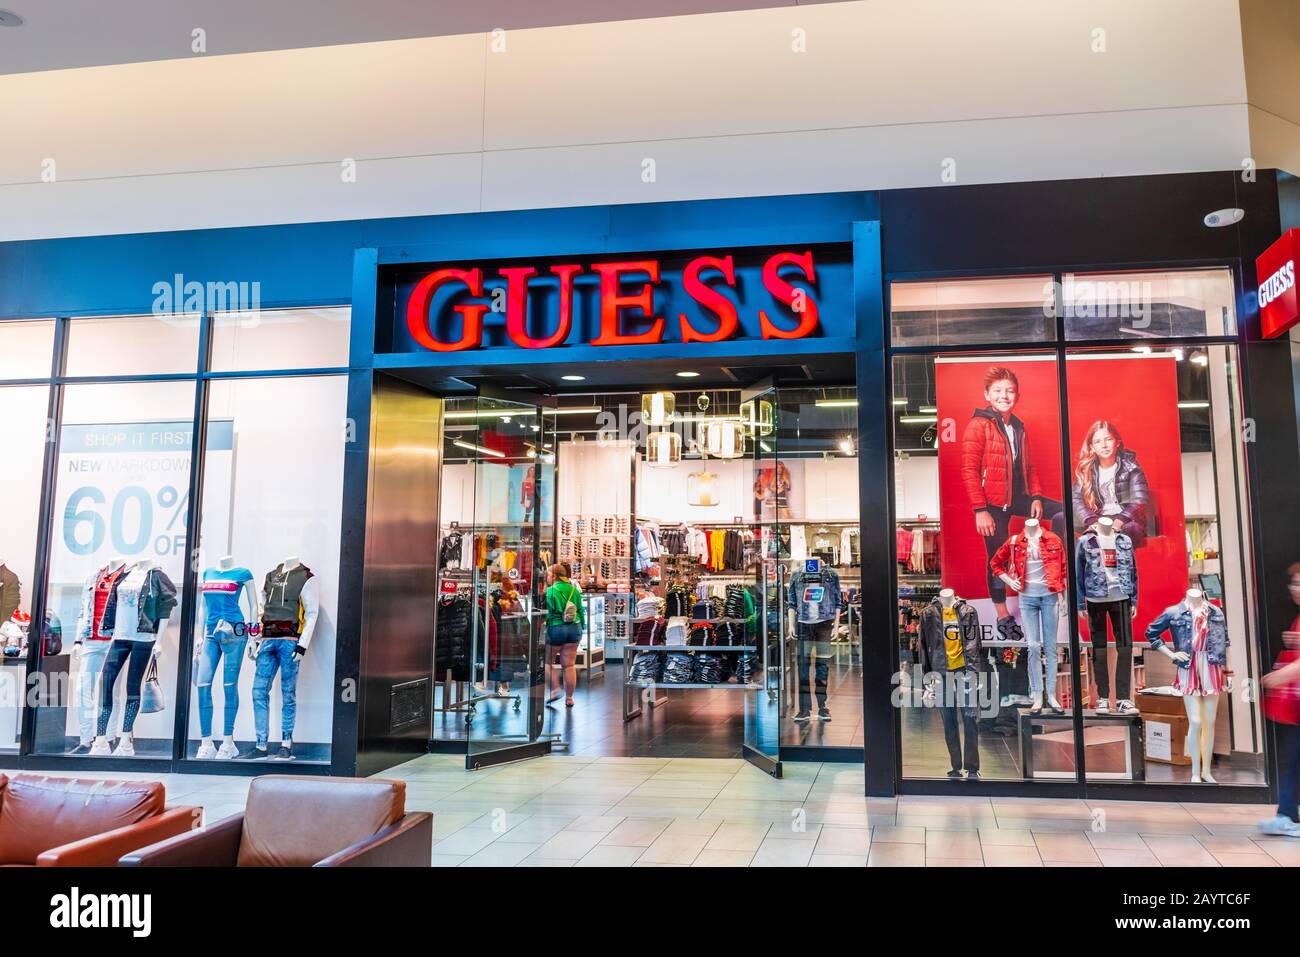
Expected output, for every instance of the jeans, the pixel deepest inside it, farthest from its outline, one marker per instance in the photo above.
(1121, 622)
(1039, 614)
(564, 633)
(93, 654)
(119, 653)
(958, 710)
(1053, 516)
(214, 649)
(276, 654)
(1288, 770)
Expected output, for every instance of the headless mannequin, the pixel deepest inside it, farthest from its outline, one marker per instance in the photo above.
(957, 713)
(1201, 709)
(261, 691)
(247, 596)
(1106, 531)
(1034, 533)
(88, 663)
(126, 744)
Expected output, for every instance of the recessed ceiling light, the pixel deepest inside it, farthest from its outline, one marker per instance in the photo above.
(10, 19)
(573, 378)
(688, 375)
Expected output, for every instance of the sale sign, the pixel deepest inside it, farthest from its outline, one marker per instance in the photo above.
(123, 490)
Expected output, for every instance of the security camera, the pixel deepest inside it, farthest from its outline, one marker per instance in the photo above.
(1224, 217)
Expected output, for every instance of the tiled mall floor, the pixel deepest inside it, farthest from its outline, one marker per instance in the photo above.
(655, 812)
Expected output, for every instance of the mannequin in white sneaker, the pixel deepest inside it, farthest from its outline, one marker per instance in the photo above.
(90, 647)
(1032, 564)
(229, 605)
(1200, 650)
(1102, 552)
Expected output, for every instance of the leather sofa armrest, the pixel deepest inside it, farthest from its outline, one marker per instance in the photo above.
(214, 846)
(408, 843)
(104, 850)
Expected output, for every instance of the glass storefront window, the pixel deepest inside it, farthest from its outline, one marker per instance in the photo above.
(269, 543)
(23, 411)
(977, 442)
(1144, 305)
(133, 345)
(971, 311)
(280, 339)
(1154, 437)
(116, 568)
(26, 348)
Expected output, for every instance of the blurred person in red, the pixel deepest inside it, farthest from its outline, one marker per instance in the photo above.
(1282, 706)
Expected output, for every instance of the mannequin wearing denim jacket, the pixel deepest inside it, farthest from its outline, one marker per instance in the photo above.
(1109, 591)
(814, 622)
(1202, 669)
(229, 606)
(951, 659)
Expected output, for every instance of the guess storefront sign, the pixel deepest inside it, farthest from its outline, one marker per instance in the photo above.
(1279, 309)
(705, 298)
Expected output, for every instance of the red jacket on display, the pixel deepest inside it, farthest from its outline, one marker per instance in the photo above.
(1012, 559)
(987, 463)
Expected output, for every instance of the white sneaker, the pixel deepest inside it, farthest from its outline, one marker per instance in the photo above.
(1280, 826)
(206, 751)
(1103, 706)
(100, 748)
(1054, 704)
(125, 748)
(1126, 707)
(227, 751)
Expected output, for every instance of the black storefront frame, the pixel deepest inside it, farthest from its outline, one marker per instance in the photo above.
(1059, 347)
(202, 378)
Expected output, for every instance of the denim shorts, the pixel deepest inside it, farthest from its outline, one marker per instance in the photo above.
(568, 633)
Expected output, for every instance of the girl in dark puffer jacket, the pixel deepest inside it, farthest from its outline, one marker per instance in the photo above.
(1109, 482)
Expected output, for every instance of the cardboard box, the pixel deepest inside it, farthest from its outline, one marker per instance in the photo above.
(1164, 731)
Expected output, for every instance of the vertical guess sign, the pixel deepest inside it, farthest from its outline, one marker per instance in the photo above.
(1279, 309)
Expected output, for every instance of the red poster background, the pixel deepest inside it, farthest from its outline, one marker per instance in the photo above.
(959, 391)
(1139, 395)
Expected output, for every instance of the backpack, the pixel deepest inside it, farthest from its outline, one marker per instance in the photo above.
(570, 609)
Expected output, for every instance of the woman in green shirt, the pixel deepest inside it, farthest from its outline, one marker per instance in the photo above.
(564, 626)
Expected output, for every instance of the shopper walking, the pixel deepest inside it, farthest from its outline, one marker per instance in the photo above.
(564, 626)
(1282, 706)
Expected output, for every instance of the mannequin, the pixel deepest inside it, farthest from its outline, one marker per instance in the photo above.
(143, 601)
(1106, 575)
(229, 604)
(290, 609)
(814, 612)
(91, 645)
(1032, 565)
(1200, 635)
(951, 647)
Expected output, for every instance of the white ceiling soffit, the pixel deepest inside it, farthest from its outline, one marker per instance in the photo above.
(61, 34)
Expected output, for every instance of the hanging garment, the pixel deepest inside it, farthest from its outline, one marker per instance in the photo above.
(798, 549)
(717, 548)
(697, 544)
(452, 638)
(849, 546)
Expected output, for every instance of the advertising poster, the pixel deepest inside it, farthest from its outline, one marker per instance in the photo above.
(123, 489)
(1136, 395)
(778, 490)
(978, 401)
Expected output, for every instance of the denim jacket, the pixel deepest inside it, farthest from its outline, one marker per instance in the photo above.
(1090, 576)
(1177, 620)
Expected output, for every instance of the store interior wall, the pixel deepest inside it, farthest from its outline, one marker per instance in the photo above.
(399, 588)
(798, 99)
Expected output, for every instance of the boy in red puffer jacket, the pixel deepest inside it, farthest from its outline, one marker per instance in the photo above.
(1001, 480)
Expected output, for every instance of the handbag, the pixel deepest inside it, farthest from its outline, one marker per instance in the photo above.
(152, 699)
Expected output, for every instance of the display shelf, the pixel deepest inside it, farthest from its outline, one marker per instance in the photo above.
(727, 686)
(690, 648)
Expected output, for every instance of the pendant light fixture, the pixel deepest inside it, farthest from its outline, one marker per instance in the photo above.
(663, 450)
(757, 416)
(702, 488)
(658, 408)
(724, 439)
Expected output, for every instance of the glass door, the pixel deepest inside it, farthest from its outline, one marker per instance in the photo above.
(511, 446)
(771, 484)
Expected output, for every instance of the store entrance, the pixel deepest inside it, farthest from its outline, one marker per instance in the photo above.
(706, 535)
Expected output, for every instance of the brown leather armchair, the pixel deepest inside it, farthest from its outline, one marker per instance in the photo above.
(73, 822)
(299, 821)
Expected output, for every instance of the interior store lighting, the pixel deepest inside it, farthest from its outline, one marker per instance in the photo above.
(477, 448)
(844, 403)
(724, 440)
(918, 419)
(658, 408)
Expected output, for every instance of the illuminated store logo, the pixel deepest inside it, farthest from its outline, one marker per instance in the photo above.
(627, 289)
(1278, 307)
